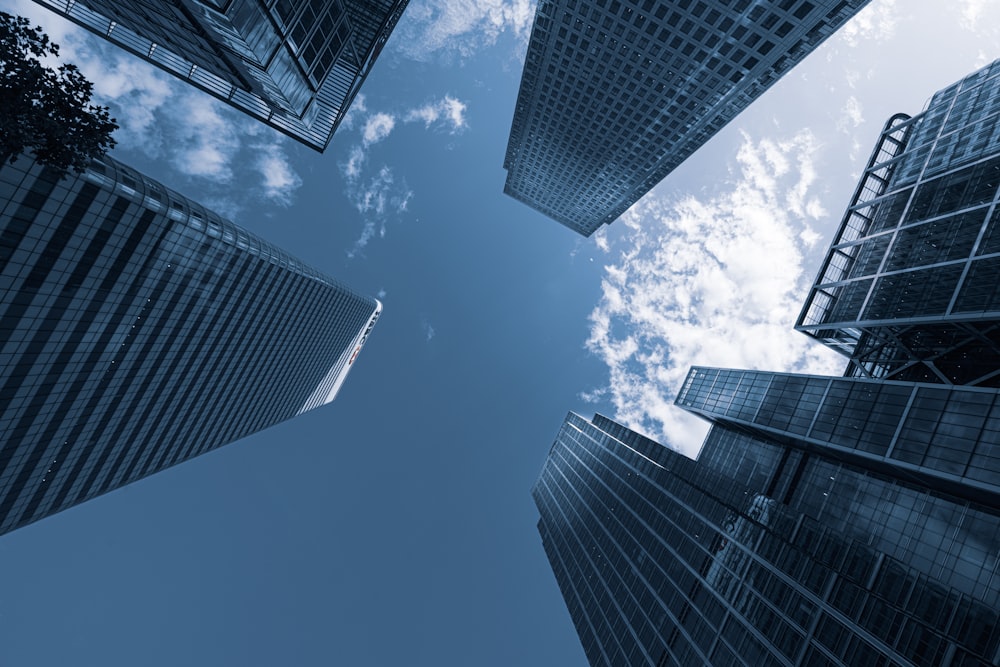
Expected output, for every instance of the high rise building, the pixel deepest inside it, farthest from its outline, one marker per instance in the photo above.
(764, 553)
(909, 288)
(139, 329)
(827, 521)
(615, 94)
(295, 65)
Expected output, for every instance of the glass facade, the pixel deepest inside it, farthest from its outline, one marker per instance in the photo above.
(909, 288)
(944, 436)
(828, 520)
(139, 329)
(293, 64)
(747, 557)
(911, 468)
(615, 94)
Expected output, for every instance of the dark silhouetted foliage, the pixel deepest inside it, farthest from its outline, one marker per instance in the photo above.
(43, 110)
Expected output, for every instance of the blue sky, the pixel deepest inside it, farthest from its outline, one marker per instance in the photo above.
(395, 525)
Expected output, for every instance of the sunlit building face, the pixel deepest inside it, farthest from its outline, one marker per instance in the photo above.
(616, 94)
(141, 329)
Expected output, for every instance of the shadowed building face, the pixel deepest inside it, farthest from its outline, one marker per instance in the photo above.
(761, 553)
(140, 329)
(295, 65)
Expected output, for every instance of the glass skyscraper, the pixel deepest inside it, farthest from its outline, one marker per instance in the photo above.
(615, 94)
(764, 552)
(295, 65)
(909, 288)
(847, 520)
(139, 329)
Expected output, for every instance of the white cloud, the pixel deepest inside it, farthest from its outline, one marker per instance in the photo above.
(448, 109)
(379, 199)
(136, 91)
(600, 238)
(428, 330)
(279, 178)
(379, 196)
(377, 127)
(207, 142)
(982, 18)
(715, 282)
(367, 232)
(850, 116)
(459, 28)
(352, 168)
(358, 107)
(381, 293)
(971, 15)
(876, 22)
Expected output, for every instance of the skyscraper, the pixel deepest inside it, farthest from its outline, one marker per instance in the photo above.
(909, 287)
(139, 329)
(827, 521)
(615, 94)
(295, 65)
(763, 553)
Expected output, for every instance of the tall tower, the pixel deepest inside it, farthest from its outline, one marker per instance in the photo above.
(139, 329)
(909, 288)
(762, 553)
(828, 520)
(295, 65)
(615, 94)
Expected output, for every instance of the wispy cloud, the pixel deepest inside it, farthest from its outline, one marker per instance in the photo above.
(168, 120)
(981, 18)
(358, 108)
(377, 127)
(367, 232)
(136, 90)
(852, 77)
(972, 13)
(876, 22)
(428, 330)
(850, 115)
(355, 160)
(710, 282)
(600, 238)
(279, 178)
(983, 59)
(207, 142)
(457, 29)
(377, 199)
(447, 109)
(379, 195)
